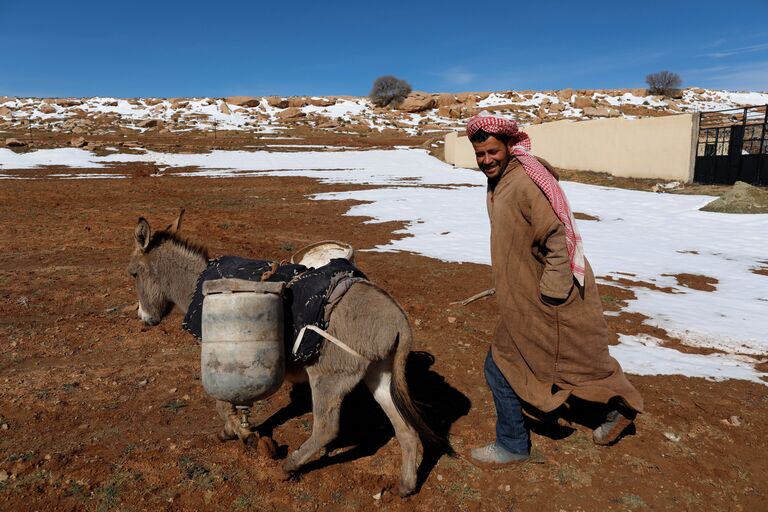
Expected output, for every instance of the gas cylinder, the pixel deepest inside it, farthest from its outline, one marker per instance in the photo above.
(243, 355)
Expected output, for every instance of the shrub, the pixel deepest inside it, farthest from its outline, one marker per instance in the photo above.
(664, 83)
(389, 90)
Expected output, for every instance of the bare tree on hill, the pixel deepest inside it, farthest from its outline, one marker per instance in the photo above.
(664, 83)
(389, 90)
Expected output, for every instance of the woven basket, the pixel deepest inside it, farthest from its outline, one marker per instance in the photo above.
(320, 253)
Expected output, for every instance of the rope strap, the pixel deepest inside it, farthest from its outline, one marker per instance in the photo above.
(327, 336)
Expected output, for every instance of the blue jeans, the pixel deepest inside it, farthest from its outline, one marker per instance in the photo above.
(511, 432)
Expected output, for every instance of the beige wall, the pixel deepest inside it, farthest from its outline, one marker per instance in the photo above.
(656, 147)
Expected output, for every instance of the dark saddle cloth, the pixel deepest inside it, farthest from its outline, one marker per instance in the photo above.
(305, 297)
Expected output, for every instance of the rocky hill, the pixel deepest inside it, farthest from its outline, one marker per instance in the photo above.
(420, 114)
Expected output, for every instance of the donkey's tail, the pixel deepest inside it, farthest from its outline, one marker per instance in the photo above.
(402, 398)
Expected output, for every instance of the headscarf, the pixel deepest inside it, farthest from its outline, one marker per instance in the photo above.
(497, 125)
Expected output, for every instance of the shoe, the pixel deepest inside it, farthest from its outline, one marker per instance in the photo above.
(495, 455)
(614, 425)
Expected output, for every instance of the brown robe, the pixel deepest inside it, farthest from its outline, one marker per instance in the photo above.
(546, 353)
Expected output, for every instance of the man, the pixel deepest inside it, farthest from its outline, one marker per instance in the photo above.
(551, 341)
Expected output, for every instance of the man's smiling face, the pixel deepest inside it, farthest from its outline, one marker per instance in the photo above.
(492, 156)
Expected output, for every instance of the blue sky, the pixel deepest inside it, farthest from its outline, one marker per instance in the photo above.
(170, 48)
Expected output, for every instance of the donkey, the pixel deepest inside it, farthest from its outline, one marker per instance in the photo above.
(166, 266)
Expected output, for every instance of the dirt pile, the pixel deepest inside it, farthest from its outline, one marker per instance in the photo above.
(741, 198)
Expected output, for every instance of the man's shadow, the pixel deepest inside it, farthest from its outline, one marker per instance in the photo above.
(364, 427)
(566, 419)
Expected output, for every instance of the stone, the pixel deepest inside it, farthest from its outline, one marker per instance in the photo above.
(14, 143)
(224, 109)
(290, 113)
(417, 101)
(67, 102)
(565, 94)
(556, 107)
(153, 101)
(45, 108)
(77, 142)
(450, 111)
(321, 102)
(330, 123)
(297, 102)
(277, 102)
(243, 101)
(638, 92)
(5, 112)
(444, 100)
(600, 112)
(583, 102)
(150, 123)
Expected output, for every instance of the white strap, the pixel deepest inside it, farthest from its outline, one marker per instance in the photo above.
(325, 335)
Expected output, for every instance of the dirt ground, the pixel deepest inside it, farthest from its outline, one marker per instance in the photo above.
(99, 412)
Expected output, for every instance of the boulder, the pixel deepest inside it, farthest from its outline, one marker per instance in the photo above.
(443, 100)
(417, 101)
(243, 101)
(151, 102)
(600, 112)
(224, 109)
(321, 102)
(77, 142)
(45, 108)
(5, 112)
(638, 92)
(583, 102)
(150, 123)
(330, 123)
(450, 111)
(14, 143)
(277, 102)
(556, 107)
(66, 102)
(297, 101)
(291, 113)
(179, 103)
(358, 128)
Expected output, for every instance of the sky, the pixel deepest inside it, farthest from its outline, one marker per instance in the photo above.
(170, 48)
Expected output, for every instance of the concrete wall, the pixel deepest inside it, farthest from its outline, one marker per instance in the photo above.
(656, 147)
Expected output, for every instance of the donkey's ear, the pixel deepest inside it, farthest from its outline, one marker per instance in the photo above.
(174, 227)
(142, 234)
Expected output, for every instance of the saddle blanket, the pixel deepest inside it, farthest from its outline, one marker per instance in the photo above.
(309, 296)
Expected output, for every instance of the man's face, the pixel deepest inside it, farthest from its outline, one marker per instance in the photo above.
(492, 156)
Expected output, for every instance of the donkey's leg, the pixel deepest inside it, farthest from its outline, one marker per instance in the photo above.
(378, 379)
(328, 391)
(233, 425)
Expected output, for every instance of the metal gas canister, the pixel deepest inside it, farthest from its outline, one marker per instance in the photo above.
(243, 355)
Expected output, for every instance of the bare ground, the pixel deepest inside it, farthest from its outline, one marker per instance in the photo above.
(99, 412)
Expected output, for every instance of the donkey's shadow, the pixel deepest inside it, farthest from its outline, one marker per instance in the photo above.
(364, 427)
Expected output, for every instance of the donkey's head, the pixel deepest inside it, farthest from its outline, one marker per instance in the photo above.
(155, 299)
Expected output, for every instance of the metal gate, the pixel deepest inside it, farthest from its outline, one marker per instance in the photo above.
(733, 146)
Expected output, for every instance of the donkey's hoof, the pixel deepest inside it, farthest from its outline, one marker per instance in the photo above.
(290, 475)
(404, 489)
(290, 465)
(225, 436)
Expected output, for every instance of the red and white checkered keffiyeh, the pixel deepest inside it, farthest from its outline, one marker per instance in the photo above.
(541, 177)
